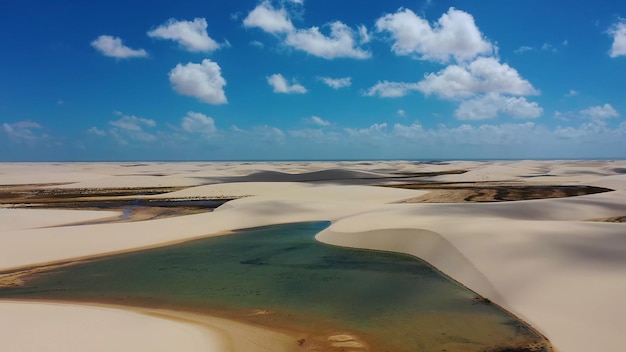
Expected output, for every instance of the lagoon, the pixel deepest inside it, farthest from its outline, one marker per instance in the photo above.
(281, 277)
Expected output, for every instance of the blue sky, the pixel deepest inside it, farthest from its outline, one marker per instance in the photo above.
(312, 79)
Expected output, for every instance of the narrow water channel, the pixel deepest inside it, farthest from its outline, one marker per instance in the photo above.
(280, 276)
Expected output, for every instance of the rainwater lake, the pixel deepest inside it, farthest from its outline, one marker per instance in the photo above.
(281, 277)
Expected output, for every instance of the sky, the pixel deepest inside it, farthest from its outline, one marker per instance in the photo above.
(312, 80)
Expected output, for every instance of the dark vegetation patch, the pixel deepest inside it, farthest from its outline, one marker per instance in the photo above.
(35, 194)
(119, 199)
(619, 170)
(618, 219)
(490, 192)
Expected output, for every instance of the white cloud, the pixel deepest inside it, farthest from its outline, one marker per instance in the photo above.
(572, 93)
(192, 35)
(257, 44)
(364, 35)
(280, 85)
(269, 19)
(377, 129)
(618, 32)
(267, 133)
(386, 89)
(548, 47)
(340, 43)
(490, 105)
(22, 131)
(504, 134)
(132, 123)
(454, 35)
(414, 131)
(113, 47)
(523, 49)
(203, 81)
(315, 120)
(600, 112)
(129, 127)
(336, 83)
(401, 113)
(195, 122)
(96, 131)
(484, 75)
(314, 135)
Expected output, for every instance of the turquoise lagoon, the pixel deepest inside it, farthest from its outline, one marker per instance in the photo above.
(393, 302)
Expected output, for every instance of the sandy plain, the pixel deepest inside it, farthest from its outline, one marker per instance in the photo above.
(557, 263)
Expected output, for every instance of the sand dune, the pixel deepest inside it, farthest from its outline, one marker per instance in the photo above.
(540, 259)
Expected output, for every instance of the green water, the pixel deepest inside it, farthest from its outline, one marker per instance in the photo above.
(392, 301)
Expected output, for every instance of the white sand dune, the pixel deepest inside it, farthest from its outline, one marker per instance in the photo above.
(539, 259)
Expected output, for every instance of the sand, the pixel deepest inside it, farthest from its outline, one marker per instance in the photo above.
(40, 327)
(539, 259)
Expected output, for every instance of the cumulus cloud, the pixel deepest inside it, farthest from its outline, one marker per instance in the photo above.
(336, 83)
(21, 131)
(364, 35)
(490, 105)
(454, 35)
(267, 133)
(600, 112)
(192, 35)
(370, 139)
(132, 123)
(129, 127)
(483, 75)
(195, 122)
(113, 47)
(341, 42)
(315, 120)
(311, 134)
(280, 85)
(618, 32)
(96, 131)
(401, 113)
(269, 19)
(203, 81)
(386, 89)
(572, 93)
